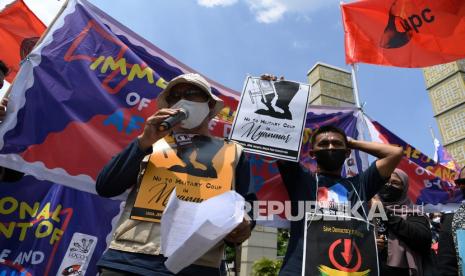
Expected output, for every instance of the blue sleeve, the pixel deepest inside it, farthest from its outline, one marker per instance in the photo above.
(243, 186)
(121, 172)
(243, 183)
(371, 181)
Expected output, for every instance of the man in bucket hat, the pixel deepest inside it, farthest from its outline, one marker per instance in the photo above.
(179, 152)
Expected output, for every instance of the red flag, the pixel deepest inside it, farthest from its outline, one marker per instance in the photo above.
(20, 29)
(404, 33)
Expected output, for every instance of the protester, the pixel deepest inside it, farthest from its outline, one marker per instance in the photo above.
(435, 221)
(6, 175)
(448, 261)
(135, 247)
(3, 73)
(330, 148)
(405, 248)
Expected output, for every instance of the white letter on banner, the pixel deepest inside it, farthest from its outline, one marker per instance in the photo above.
(4, 254)
(144, 102)
(132, 98)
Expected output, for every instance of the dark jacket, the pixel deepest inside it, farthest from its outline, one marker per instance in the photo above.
(447, 256)
(414, 231)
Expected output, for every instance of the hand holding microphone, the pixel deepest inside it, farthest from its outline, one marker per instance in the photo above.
(170, 122)
(159, 124)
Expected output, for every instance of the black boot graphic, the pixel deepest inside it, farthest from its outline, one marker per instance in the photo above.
(205, 150)
(285, 91)
(392, 38)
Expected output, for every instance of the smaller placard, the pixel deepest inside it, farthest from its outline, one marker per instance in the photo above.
(271, 116)
(336, 245)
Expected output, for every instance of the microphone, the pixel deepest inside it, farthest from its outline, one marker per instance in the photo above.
(170, 122)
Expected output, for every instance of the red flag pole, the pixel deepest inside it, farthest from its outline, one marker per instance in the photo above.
(354, 80)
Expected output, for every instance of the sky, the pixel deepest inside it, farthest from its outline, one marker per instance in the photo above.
(226, 40)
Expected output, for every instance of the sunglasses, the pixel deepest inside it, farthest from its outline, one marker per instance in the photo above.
(460, 181)
(190, 95)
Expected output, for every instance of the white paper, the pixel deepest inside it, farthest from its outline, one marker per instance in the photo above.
(189, 230)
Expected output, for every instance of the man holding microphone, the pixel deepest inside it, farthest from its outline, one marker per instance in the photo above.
(176, 145)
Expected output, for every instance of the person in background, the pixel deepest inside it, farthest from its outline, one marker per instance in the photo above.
(6, 175)
(405, 245)
(4, 102)
(448, 262)
(3, 73)
(435, 220)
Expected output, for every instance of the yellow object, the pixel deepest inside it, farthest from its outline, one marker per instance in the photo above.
(196, 173)
(334, 272)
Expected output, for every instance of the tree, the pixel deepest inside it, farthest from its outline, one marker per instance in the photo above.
(266, 267)
(283, 240)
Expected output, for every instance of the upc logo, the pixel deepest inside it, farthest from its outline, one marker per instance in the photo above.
(401, 27)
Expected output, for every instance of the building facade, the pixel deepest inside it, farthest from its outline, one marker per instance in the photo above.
(331, 86)
(445, 84)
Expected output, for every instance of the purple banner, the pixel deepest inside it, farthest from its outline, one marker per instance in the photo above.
(50, 229)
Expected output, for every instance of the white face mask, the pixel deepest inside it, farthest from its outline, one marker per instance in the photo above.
(437, 219)
(196, 113)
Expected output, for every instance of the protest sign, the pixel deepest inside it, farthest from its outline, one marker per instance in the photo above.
(336, 245)
(271, 116)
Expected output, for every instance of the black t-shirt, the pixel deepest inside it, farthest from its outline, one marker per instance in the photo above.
(301, 186)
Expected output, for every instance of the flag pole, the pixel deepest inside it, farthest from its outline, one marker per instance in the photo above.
(432, 133)
(354, 80)
(434, 138)
(436, 156)
(62, 9)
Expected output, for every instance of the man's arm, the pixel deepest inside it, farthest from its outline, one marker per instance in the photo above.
(447, 256)
(121, 172)
(388, 156)
(291, 174)
(243, 187)
(289, 171)
(242, 176)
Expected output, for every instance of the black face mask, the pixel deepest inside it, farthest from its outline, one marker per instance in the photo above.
(390, 193)
(330, 159)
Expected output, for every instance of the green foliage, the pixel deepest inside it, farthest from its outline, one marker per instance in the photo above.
(230, 253)
(266, 267)
(283, 240)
